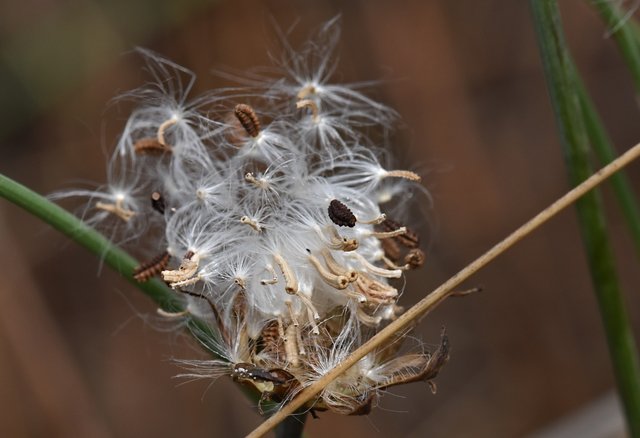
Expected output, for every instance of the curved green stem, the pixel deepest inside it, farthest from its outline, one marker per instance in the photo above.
(606, 153)
(99, 245)
(624, 33)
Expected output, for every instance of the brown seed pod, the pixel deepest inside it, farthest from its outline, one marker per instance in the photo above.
(153, 267)
(364, 408)
(248, 119)
(409, 239)
(150, 146)
(270, 341)
(415, 258)
(157, 202)
(427, 370)
(340, 214)
(391, 249)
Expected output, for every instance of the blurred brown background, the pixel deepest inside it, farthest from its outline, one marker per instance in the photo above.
(80, 353)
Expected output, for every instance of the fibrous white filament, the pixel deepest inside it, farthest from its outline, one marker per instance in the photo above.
(290, 347)
(366, 319)
(184, 275)
(387, 261)
(313, 313)
(396, 273)
(376, 291)
(163, 127)
(337, 281)
(336, 268)
(337, 242)
(253, 224)
(387, 234)
(375, 221)
(301, 349)
(116, 209)
(292, 314)
(166, 314)
(187, 282)
(291, 284)
(406, 174)
(305, 91)
(274, 276)
(258, 182)
(312, 105)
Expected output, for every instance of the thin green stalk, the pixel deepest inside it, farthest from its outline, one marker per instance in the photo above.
(606, 153)
(563, 89)
(625, 35)
(99, 245)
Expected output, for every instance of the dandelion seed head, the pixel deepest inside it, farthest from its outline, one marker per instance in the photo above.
(272, 200)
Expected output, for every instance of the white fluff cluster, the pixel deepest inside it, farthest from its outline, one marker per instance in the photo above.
(268, 203)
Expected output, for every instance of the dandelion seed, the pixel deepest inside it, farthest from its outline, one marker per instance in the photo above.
(153, 267)
(252, 223)
(291, 284)
(117, 209)
(150, 146)
(310, 104)
(185, 274)
(248, 119)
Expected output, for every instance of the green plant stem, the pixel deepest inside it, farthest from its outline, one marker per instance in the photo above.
(96, 243)
(625, 35)
(563, 89)
(606, 153)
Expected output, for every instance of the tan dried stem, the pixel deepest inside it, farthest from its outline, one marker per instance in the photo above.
(252, 223)
(117, 209)
(308, 103)
(388, 234)
(305, 91)
(162, 128)
(428, 303)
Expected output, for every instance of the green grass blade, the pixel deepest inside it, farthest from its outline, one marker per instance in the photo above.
(99, 245)
(606, 153)
(563, 89)
(624, 32)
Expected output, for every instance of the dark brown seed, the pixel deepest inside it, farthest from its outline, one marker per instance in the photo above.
(157, 202)
(409, 239)
(150, 145)
(188, 255)
(340, 214)
(415, 258)
(391, 249)
(153, 267)
(248, 119)
(364, 408)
